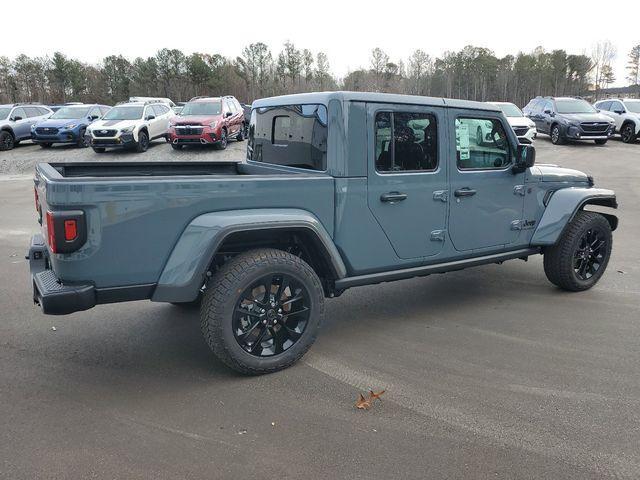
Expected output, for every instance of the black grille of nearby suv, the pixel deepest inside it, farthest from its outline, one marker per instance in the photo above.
(520, 131)
(105, 133)
(46, 130)
(595, 127)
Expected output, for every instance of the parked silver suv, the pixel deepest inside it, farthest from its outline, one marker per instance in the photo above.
(16, 120)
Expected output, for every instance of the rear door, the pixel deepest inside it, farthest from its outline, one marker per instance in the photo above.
(487, 198)
(407, 177)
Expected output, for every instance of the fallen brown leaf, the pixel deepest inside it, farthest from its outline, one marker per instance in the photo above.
(363, 403)
(373, 395)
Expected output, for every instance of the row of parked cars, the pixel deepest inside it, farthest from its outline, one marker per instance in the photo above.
(133, 124)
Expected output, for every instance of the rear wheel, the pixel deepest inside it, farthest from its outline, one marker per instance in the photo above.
(556, 135)
(143, 142)
(579, 258)
(601, 141)
(99, 149)
(628, 133)
(176, 146)
(7, 142)
(262, 310)
(45, 145)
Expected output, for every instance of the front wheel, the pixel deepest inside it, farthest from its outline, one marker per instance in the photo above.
(240, 135)
(262, 310)
(601, 141)
(176, 146)
(7, 142)
(83, 141)
(222, 144)
(45, 145)
(579, 258)
(628, 133)
(143, 142)
(556, 135)
(99, 149)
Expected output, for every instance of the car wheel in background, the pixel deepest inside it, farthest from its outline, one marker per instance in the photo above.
(46, 145)
(176, 146)
(262, 311)
(580, 257)
(556, 136)
(99, 149)
(143, 142)
(601, 142)
(222, 144)
(628, 133)
(7, 141)
(83, 141)
(240, 135)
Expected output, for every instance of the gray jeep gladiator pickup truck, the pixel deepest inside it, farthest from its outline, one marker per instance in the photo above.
(338, 190)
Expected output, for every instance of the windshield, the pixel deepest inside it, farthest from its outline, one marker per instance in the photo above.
(631, 106)
(71, 112)
(510, 110)
(574, 106)
(201, 108)
(4, 113)
(124, 113)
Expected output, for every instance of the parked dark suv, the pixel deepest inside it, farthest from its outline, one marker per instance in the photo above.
(567, 118)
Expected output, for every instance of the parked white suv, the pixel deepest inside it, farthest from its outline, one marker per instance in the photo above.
(523, 126)
(626, 113)
(130, 125)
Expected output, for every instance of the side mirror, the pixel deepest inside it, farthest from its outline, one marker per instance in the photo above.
(93, 117)
(17, 118)
(150, 117)
(525, 158)
(619, 112)
(228, 114)
(548, 112)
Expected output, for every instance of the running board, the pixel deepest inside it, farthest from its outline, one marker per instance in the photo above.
(390, 276)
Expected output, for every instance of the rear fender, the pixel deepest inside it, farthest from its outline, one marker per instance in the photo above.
(563, 206)
(185, 271)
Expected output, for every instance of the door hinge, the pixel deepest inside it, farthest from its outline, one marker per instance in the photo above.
(441, 195)
(519, 190)
(437, 236)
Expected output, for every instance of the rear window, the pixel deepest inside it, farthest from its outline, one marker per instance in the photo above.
(290, 135)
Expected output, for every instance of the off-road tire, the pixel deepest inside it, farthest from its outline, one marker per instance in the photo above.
(7, 142)
(628, 133)
(82, 140)
(222, 294)
(601, 141)
(143, 142)
(556, 137)
(559, 258)
(99, 149)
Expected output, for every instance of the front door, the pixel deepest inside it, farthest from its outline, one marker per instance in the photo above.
(407, 182)
(487, 198)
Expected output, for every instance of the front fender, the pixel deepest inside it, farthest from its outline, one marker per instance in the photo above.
(185, 270)
(564, 205)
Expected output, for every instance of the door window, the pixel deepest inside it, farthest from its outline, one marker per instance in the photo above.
(19, 112)
(159, 110)
(149, 111)
(616, 107)
(604, 105)
(481, 144)
(406, 142)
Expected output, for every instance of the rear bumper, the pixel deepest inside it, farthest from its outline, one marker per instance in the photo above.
(56, 297)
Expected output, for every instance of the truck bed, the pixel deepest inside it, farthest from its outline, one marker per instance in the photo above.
(144, 169)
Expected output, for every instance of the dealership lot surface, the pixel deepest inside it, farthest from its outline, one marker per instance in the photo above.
(490, 372)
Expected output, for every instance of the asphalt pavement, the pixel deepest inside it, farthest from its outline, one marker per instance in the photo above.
(490, 372)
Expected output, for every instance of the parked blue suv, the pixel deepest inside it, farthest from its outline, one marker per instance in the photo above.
(67, 125)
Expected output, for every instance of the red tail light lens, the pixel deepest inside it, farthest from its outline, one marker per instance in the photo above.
(70, 230)
(51, 232)
(35, 193)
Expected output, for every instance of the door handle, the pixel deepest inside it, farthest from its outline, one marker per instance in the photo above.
(393, 197)
(464, 192)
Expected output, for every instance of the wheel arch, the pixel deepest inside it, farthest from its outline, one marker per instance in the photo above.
(217, 236)
(562, 208)
(9, 130)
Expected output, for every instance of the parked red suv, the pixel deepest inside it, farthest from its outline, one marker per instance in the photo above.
(208, 121)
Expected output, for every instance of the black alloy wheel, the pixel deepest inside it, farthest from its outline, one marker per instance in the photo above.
(271, 315)
(590, 254)
(628, 133)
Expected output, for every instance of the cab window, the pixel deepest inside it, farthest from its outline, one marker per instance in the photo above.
(481, 144)
(405, 142)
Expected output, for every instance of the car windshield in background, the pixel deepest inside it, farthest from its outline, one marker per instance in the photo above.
(71, 112)
(574, 106)
(124, 113)
(633, 107)
(201, 108)
(4, 113)
(510, 110)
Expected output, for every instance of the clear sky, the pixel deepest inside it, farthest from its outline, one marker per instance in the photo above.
(346, 31)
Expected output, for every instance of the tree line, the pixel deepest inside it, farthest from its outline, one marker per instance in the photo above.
(472, 73)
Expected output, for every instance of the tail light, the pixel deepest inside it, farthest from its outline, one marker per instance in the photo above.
(66, 231)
